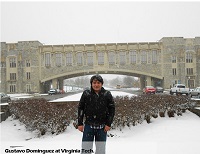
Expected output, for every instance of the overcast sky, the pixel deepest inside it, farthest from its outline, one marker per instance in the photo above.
(86, 22)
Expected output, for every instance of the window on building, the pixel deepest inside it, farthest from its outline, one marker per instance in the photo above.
(111, 57)
(191, 83)
(13, 62)
(143, 56)
(154, 56)
(100, 58)
(12, 76)
(79, 58)
(133, 56)
(90, 58)
(122, 57)
(58, 59)
(189, 58)
(12, 88)
(173, 59)
(69, 59)
(28, 63)
(28, 88)
(173, 71)
(28, 75)
(3, 64)
(47, 59)
(189, 71)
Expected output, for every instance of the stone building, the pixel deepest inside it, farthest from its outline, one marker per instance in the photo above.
(30, 66)
(181, 61)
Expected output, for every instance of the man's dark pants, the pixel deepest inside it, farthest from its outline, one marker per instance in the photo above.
(88, 137)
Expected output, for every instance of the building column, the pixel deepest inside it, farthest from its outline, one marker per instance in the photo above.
(106, 62)
(60, 83)
(148, 81)
(142, 82)
(45, 86)
(55, 84)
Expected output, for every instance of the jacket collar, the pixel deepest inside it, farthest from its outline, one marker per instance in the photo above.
(101, 91)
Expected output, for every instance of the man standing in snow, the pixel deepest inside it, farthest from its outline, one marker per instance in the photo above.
(98, 108)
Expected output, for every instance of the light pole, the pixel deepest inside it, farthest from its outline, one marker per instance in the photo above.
(189, 82)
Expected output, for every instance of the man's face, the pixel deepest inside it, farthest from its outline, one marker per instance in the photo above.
(96, 85)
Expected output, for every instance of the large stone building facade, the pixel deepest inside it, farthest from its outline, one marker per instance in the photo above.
(30, 66)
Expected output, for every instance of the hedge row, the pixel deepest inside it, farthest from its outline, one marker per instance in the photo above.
(38, 114)
(134, 110)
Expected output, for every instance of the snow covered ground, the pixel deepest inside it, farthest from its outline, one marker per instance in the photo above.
(76, 97)
(178, 135)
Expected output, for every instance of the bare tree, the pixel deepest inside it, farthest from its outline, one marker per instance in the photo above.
(128, 81)
(115, 82)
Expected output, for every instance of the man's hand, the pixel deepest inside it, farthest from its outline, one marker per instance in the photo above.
(107, 128)
(80, 128)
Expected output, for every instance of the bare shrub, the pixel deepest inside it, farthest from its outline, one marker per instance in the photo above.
(38, 114)
(134, 110)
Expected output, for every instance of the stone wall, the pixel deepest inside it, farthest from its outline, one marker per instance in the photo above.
(178, 46)
(42, 76)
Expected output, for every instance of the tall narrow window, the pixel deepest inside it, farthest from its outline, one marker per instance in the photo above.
(12, 88)
(12, 76)
(111, 57)
(143, 57)
(189, 71)
(90, 58)
(12, 62)
(58, 59)
(28, 88)
(133, 57)
(122, 57)
(189, 58)
(28, 63)
(173, 59)
(28, 75)
(3, 64)
(79, 58)
(191, 83)
(69, 59)
(100, 58)
(173, 71)
(154, 57)
(47, 59)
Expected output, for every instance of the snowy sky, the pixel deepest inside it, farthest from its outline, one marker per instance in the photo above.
(85, 22)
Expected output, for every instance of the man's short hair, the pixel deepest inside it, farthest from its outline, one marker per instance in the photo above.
(96, 77)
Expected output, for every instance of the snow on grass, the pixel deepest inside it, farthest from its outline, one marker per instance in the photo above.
(178, 135)
(76, 97)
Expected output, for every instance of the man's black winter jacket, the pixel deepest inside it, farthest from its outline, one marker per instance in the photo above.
(97, 109)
